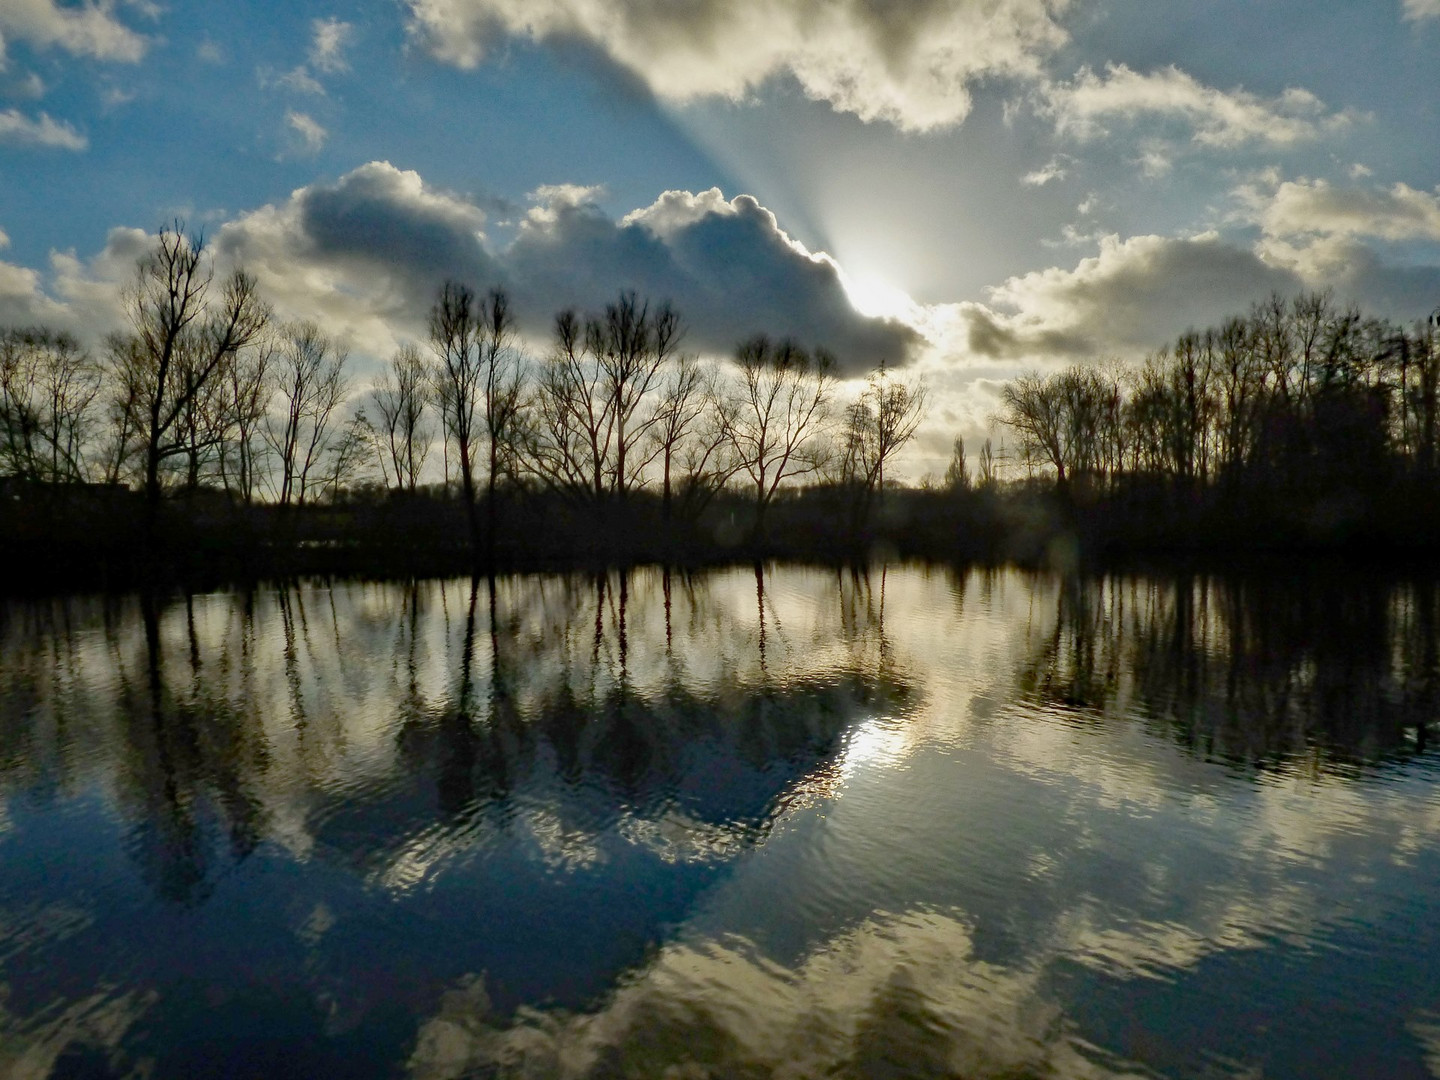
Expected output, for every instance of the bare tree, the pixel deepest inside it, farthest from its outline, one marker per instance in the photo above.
(249, 378)
(1033, 409)
(49, 388)
(503, 385)
(181, 336)
(881, 421)
(479, 386)
(778, 416)
(310, 379)
(401, 397)
(346, 456)
(572, 448)
(454, 334)
(594, 398)
(631, 344)
(202, 428)
(687, 396)
(706, 460)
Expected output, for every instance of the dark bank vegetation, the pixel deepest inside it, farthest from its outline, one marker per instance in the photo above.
(211, 438)
(1304, 425)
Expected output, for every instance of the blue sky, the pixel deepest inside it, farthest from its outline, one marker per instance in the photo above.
(995, 185)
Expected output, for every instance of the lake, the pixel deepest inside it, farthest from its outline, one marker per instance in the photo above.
(779, 821)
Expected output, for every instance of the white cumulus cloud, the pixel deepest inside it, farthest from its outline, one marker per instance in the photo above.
(1329, 234)
(327, 47)
(910, 63)
(312, 136)
(1401, 212)
(1220, 118)
(89, 29)
(20, 130)
(1051, 170)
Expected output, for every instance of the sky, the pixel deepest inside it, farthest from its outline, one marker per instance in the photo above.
(959, 189)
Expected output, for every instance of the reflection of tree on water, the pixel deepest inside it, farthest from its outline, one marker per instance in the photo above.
(555, 798)
(1247, 669)
(190, 755)
(725, 751)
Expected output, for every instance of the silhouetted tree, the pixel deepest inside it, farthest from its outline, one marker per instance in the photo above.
(249, 386)
(880, 422)
(1032, 408)
(503, 378)
(777, 418)
(987, 469)
(401, 396)
(595, 397)
(181, 336)
(49, 389)
(310, 377)
(957, 476)
(478, 385)
(688, 394)
(346, 457)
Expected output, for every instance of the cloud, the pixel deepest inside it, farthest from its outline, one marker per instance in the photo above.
(82, 30)
(26, 84)
(311, 134)
(326, 55)
(112, 97)
(369, 252)
(855, 999)
(1217, 118)
(1051, 170)
(82, 297)
(1302, 207)
(22, 299)
(1422, 9)
(1132, 297)
(17, 129)
(331, 36)
(299, 80)
(909, 63)
(1328, 236)
(1155, 161)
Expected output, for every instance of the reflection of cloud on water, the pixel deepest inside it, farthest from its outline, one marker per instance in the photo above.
(1425, 1026)
(92, 1027)
(677, 837)
(897, 995)
(871, 763)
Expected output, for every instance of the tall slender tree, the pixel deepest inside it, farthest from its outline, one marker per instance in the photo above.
(479, 387)
(778, 417)
(182, 331)
(401, 397)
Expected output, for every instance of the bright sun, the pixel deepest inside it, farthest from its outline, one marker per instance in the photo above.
(872, 295)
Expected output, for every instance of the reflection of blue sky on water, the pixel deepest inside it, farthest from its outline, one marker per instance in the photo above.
(976, 838)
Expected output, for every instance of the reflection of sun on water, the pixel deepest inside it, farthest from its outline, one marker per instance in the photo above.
(877, 742)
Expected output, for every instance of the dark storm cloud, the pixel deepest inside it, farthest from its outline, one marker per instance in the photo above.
(380, 236)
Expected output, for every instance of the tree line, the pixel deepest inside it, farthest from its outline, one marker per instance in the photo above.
(1301, 394)
(206, 390)
(1303, 413)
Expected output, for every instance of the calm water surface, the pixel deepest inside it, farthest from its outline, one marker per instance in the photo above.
(912, 822)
